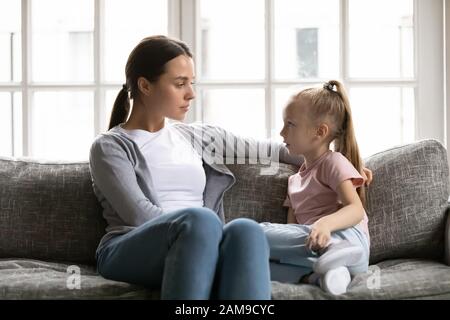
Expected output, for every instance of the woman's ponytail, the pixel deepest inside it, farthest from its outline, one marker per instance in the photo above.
(121, 108)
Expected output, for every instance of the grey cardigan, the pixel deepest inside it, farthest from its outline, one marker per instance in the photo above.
(122, 181)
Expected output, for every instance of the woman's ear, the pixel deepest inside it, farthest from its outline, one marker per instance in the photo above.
(144, 86)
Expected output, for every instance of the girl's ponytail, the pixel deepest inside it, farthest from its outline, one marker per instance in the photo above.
(345, 141)
(121, 108)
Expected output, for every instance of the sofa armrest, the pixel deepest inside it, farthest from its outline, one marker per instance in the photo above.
(447, 238)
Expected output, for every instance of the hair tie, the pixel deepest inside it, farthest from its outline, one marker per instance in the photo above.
(328, 86)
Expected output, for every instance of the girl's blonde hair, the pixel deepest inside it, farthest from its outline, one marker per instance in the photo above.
(331, 104)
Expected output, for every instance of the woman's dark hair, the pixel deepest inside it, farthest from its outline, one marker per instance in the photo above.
(148, 59)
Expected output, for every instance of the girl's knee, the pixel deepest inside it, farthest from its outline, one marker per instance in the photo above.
(362, 267)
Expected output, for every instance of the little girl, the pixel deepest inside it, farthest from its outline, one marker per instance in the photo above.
(326, 240)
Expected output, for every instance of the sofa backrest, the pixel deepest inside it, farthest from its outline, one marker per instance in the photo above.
(406, 202)
(258, 196)
(48, 211)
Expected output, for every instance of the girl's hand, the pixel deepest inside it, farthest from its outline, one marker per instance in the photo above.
(319, 236)
(367, 175)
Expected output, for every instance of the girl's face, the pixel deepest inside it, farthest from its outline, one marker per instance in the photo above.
(298, 131)
(171, 95)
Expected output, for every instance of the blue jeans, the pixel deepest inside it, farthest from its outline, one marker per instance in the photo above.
(190, 254)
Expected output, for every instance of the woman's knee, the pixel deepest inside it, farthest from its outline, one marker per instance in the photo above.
(245, 229)
(202, 222)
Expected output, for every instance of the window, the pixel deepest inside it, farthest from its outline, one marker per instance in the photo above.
(62, 64)
(74, 64)
(249, 68)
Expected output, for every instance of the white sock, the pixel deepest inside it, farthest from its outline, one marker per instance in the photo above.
(339, 254)
(336, 281)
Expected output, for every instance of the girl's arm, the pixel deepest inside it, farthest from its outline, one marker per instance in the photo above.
(291, 216)
(348, 216)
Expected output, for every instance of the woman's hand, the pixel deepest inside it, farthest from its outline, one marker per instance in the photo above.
(367, 175)
(319, 236)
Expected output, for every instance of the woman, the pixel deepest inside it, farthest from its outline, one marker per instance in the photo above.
(162, 193)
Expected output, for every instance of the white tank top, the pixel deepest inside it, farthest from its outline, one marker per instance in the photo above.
(176, 168)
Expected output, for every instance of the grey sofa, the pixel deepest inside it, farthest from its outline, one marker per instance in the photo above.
(50, 224)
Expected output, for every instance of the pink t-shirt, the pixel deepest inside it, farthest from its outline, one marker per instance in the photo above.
(312, 192)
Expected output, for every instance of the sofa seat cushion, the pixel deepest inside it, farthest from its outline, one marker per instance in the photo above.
(398, 279)
(34, 279)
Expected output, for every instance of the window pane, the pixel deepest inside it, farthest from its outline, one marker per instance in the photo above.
(232, 40)
(383, 117)
(62, 125)
(110, 98)
(126, 23)
(381, 43)
(10, 41)
(62, 40)
(5, 124)
(10, 124)
(306, 39)
(241, 111)
(18, 127)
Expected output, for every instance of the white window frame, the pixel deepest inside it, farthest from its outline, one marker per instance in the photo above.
(447, 73)
(428, 82)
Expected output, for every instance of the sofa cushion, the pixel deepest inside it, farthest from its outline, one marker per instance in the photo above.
(392, 279)
(48, 211)
(256, 196)
(33, 279)
(407, 201)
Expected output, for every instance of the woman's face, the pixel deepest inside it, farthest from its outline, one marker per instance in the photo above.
(172, 93)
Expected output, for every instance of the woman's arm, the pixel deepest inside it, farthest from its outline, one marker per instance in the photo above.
(114, 175)
(348, 216)
(229, 146)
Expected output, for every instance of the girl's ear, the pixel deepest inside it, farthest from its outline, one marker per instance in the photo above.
(322, 130)
(144, 86)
